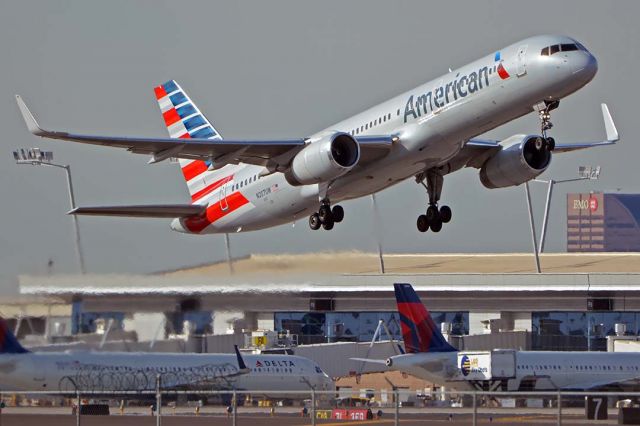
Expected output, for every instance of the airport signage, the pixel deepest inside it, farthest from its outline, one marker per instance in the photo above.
(585, 204)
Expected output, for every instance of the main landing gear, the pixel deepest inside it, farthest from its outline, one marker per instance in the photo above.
(435, 216)
(326, 216)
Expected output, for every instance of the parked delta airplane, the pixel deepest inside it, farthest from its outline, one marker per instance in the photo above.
(430, 357)
(426, 133)
(21, 370)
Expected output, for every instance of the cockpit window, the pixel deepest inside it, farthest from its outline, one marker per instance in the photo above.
(581, 46)
(568, 47)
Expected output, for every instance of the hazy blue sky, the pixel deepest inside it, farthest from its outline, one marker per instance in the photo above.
(277, 69)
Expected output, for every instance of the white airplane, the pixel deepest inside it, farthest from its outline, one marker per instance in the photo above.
(22, 370)
(426, 133)
(429, 356)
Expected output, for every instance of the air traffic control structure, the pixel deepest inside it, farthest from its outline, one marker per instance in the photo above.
(481, 301)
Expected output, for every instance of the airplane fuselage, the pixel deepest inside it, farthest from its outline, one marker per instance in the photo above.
(432, 123)
(543, 370)
(113, 372)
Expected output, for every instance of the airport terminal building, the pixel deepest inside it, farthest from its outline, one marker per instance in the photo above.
(573, 306)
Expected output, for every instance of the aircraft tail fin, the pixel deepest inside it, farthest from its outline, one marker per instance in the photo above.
(184, 120)
(419, 332)
(8, 342)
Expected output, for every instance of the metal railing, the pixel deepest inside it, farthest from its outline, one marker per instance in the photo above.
(313, 396)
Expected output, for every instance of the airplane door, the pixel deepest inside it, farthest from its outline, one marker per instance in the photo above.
(224, 205)
(521, 61)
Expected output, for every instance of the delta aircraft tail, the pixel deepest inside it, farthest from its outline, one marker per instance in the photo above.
(419, 332)
(8, 342)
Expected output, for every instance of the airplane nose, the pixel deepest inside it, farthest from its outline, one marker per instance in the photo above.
(585, 66)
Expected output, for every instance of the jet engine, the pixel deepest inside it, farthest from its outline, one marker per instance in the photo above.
(522, 158)
(323, 160)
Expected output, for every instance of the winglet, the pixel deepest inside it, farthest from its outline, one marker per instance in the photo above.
(610, 127)
(30, 121)
(241, 364)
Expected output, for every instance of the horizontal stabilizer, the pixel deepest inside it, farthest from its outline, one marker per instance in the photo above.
(159, 211)
(372, 361)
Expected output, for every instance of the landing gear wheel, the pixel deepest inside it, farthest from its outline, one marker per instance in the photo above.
(432, 214)
(436, 226)
(423, 223)
(551, 143)
(328, 224)
(314, 222)
(445, 214)
(338, 214)
(325, 214)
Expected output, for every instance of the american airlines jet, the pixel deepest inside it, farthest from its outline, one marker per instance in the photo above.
(425, 133)
(22, 370)
(430, 357)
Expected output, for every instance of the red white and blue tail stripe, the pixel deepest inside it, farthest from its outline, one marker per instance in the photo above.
(184, 120)
(419, 332)
(208, 187)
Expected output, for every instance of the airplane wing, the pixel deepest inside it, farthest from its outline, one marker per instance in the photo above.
(479, 150)
(257, 152)
(369, 360)
(211, 379)
(156, 211)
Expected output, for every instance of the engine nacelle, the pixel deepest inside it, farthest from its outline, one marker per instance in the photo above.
(522, 158)
(323, 160)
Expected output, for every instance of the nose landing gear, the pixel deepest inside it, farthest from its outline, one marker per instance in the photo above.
(544, 114)
(326, 217)
(435, 216)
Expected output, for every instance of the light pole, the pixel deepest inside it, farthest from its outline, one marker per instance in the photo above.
(584, 173)
(36, 157)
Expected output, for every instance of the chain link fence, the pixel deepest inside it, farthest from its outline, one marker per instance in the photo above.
(245, 407)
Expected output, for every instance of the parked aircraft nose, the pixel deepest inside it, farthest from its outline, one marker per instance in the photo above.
(328, 384)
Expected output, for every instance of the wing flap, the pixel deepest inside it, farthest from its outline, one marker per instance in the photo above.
(154, 211)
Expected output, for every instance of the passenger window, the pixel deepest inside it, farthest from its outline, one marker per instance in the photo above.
(554, 49)
(545, 51)
(568, 47)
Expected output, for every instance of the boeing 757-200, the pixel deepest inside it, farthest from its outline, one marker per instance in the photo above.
(425, 133)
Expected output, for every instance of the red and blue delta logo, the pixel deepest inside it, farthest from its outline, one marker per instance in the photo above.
(465, 365)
